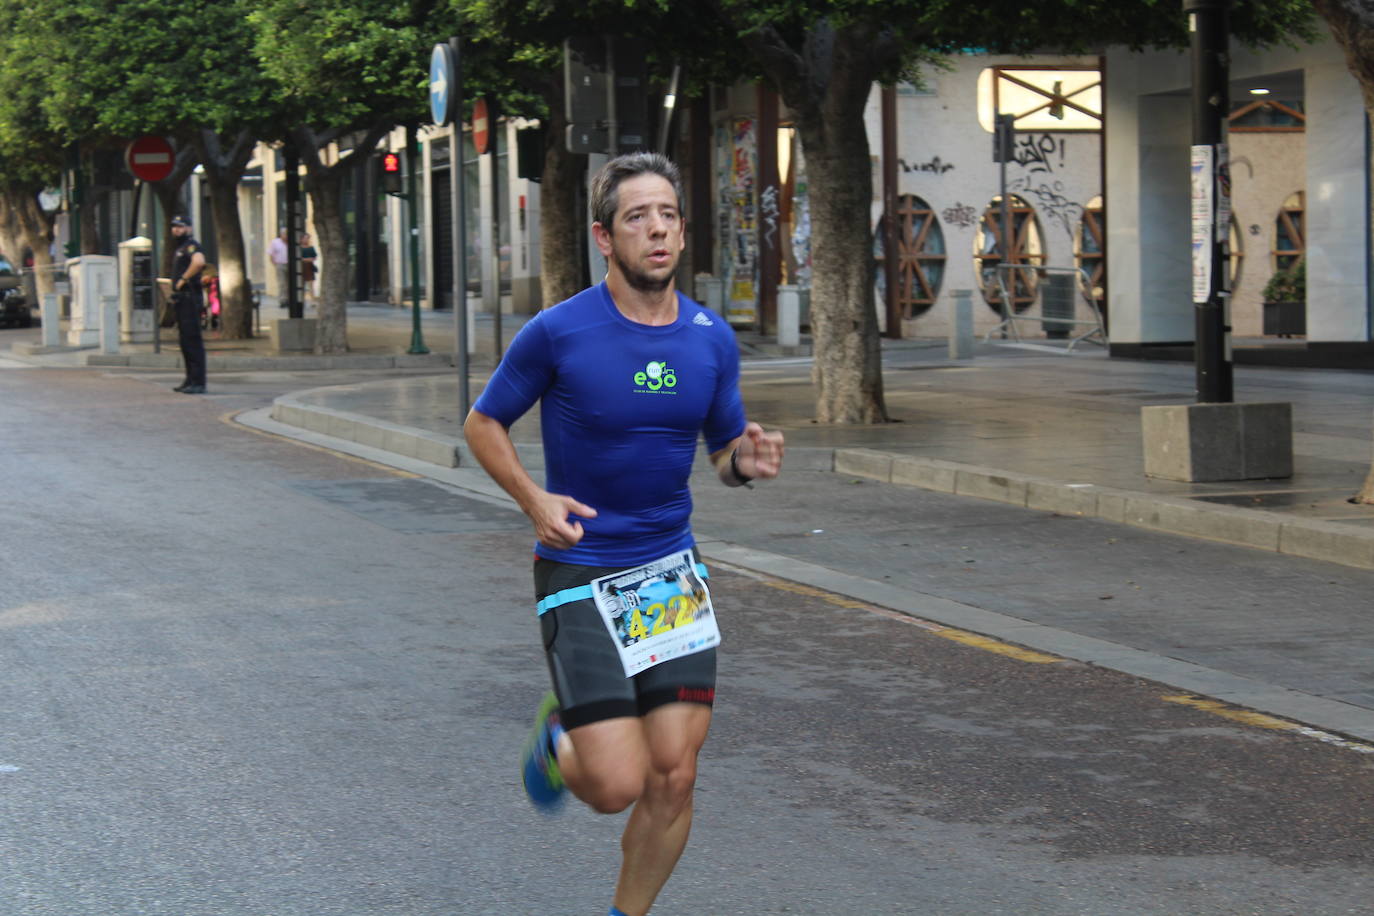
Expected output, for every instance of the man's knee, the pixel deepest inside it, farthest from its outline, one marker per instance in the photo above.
(670, 787)
(610, 793)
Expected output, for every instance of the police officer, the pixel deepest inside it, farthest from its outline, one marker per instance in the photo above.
(186, 299)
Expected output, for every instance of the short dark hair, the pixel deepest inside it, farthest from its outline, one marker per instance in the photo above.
(605, 189)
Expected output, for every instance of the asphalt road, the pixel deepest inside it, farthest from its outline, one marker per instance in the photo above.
(247, 676)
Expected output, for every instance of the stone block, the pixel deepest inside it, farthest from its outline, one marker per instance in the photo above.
(1052, 496)
(1203, 442)
(1246, 527)
(293, 334)
(864, 462)
(1329, 541)
(922, 472)
(988, 484)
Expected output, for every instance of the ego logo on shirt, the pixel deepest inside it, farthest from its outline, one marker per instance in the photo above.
(656, 376)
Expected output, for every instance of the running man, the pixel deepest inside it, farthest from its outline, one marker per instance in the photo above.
(629, 374)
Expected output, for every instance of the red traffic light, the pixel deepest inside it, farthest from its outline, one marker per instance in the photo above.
(391, 163)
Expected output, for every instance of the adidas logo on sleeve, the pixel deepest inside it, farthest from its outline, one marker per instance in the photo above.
(702, 319)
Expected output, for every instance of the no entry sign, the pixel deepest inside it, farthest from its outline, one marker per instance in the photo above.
(150, 158)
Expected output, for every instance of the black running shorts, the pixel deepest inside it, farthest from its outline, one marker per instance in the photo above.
(586, 669)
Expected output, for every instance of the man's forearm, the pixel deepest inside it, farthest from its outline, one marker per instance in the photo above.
(492, 447)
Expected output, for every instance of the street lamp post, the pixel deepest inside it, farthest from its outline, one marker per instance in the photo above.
(417, 337)
(1208, 31)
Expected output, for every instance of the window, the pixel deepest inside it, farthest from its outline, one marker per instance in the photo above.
(920, 254)
(1041, 98)
(1027, 247)
(1290, 245)
(1269, 115)
(1090, 248)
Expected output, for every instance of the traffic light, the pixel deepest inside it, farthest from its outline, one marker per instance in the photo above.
(391, 174)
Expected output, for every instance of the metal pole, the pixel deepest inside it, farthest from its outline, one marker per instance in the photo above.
(133, 220)
(1208, 33)
(1005, 247)
(417, 337)
(493, 135)
(891, 254)
(292, 161)
(155, 233)
(460, 235)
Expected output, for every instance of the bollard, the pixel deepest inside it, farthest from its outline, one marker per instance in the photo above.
(961, 325)
(51, 317)
(789, 316)
(109, 324)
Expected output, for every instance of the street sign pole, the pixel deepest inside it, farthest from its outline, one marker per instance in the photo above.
(446, 107)
(292, 161)
(417, 337)
(1208, 35)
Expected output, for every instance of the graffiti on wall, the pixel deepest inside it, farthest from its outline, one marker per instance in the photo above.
(768, 206)
(961, 215)
(1039, 154)
(935, 165)
(1050, 201)
(743, 235)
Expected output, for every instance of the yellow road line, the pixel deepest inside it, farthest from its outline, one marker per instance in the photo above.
(1227, 711)
(231, 417)
(1260, 720)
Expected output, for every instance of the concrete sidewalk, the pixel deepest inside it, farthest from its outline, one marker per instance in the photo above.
(1023, 425)
(1026, 424)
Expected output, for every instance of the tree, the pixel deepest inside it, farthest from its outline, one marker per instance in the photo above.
(104, 77)
(824, 57)
(351, 72)
(1352, 24)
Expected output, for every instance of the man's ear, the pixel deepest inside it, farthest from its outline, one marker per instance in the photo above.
(602, 235)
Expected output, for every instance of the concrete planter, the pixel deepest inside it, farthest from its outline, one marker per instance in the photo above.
(1285, 319)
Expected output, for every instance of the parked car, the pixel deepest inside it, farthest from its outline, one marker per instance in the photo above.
(14, 305)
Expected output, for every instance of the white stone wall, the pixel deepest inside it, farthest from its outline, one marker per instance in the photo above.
(1266, 168)
(945, 158)
(1148, 135)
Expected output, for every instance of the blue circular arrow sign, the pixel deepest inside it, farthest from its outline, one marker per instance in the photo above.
(441, 84)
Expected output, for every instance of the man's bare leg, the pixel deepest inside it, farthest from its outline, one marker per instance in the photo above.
(658, 827)
(604, 763)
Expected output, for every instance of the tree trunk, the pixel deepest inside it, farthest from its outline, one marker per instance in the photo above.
(223, 171)
(168, 192)
(325, 186)
(826, 85)
(10, 230)
(235, 298)
(560, 257)
(36, 228)
(1352, 25)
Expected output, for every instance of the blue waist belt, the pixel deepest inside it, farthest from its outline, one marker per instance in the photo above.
(583, 592)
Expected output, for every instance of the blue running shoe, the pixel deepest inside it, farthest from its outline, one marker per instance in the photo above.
(539, 768)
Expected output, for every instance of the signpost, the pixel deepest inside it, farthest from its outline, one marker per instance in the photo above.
(445, 102)
(1208, 31)
(150, 158)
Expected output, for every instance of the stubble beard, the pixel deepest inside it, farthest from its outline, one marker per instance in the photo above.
(641, 281)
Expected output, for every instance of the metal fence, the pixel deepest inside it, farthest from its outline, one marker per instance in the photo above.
(1064, 295)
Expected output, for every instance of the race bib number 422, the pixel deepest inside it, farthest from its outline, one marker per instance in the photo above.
(657, 612)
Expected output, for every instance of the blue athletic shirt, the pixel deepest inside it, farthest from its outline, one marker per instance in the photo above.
(622, 406)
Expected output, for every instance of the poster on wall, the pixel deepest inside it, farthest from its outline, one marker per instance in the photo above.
(743, 256)
(1203, 215)
(801, 221)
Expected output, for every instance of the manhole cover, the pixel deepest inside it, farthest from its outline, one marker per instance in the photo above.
(413, 505)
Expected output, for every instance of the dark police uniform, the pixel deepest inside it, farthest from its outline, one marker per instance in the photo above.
(187, 302)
